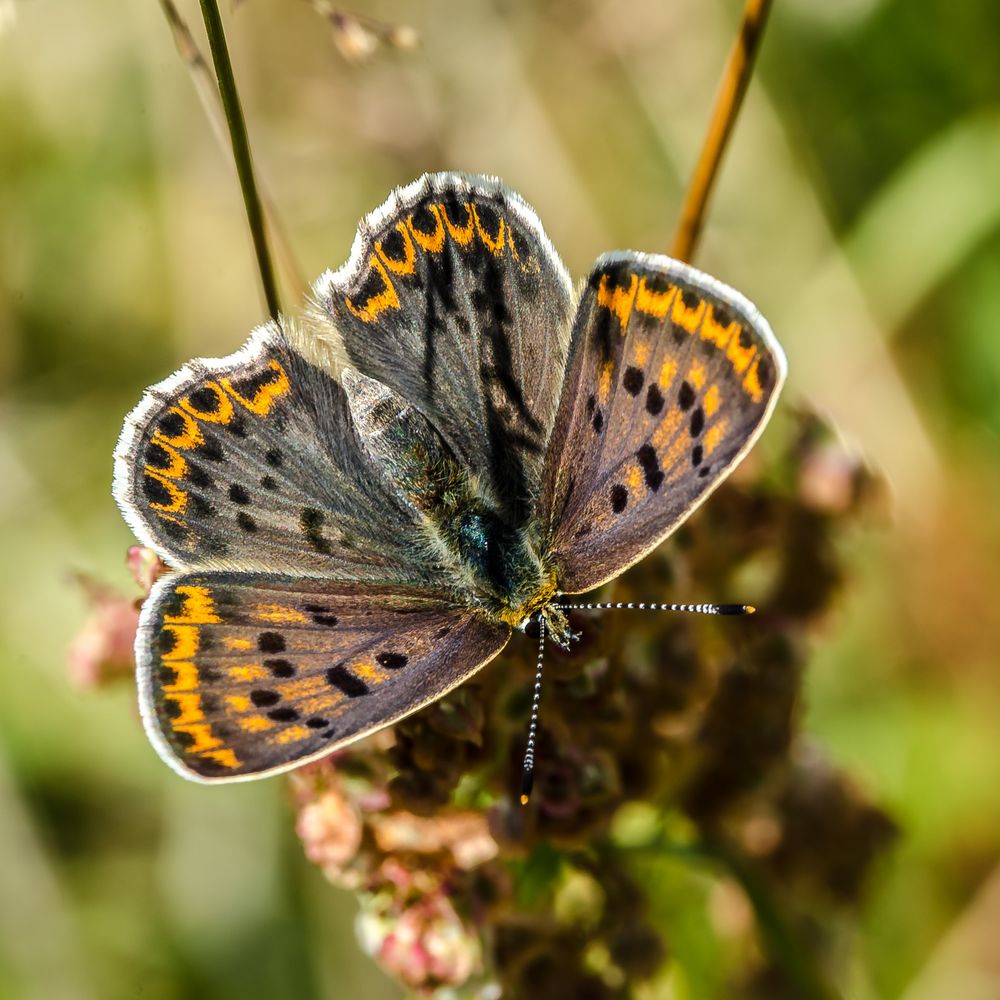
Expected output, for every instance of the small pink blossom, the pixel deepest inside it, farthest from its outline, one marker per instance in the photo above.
(465, 835)
(101, 651)
(145, 567)
(330, 830)
(424, 944)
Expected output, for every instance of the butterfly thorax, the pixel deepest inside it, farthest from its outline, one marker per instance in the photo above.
(493, 563)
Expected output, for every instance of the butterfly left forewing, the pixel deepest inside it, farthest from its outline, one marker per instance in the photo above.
(243, 675)
(671, 378)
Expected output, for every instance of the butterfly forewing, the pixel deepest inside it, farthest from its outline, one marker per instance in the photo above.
(253, 462)
(248, 674)
(670, 379)
(455, 298)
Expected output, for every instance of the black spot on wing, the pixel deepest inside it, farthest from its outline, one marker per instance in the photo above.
(164, 641)
(765, 373)
(650, 466)
(263, 698)
(697, 422)
(686, 396)
(271, 642)
(342, 679)
(654, 399)
(237, 426)
(205, 400)
(603, 333)
(370, 285)
(489, 219)
(393, 244)
(280, 667)
(157, 457)
(633, 380)
(200, 507)
(171, 425)
(156, 492)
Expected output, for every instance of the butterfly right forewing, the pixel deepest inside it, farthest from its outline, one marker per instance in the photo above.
(671, 378)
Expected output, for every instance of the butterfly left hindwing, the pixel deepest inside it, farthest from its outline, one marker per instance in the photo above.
(244, 674)
(252, 462)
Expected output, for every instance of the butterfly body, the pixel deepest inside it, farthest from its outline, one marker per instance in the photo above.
(360, 514)
(490, 560)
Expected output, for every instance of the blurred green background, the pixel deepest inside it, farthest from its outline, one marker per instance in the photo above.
(859, 206)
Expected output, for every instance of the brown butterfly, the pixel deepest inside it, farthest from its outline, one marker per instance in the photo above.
(361, 513)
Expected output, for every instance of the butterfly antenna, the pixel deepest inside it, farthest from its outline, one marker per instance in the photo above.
(697, 609)
(528, 767)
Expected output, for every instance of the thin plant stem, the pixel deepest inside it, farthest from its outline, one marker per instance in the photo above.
(241, 149)
(728, 100)
(208, 93)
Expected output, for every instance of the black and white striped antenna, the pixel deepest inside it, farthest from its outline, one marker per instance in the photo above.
(697, 609)
(528, 765)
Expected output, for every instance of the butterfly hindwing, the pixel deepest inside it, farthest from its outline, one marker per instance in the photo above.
(455, 298)
(247, 674)
(253, 462)
(671, 377)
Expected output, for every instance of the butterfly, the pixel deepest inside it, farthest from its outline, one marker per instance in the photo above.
(360, 510)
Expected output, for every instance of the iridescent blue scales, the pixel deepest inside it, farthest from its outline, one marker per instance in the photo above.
(359, 514)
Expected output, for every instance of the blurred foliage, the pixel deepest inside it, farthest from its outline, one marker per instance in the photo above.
(856, 207)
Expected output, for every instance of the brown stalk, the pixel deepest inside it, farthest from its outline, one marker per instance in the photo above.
(728, 100)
